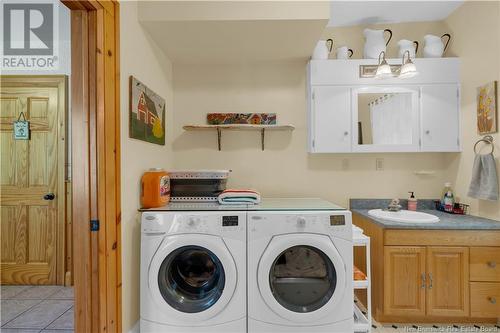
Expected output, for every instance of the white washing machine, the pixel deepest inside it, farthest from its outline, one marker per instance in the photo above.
(300, 259)
(193, 271)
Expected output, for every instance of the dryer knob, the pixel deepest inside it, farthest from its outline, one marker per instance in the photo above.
(301, 222)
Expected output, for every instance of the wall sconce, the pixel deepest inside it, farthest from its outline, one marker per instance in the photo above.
(408, 68)
(383, 69)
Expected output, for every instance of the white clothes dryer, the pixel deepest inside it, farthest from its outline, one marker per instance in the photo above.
(193, 271)
(300, 270)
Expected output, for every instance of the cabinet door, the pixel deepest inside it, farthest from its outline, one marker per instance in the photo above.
(331, 119)
(404, 281)
(440, 118)
(448, 281)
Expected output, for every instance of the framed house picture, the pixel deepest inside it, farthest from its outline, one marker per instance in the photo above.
(147, 114)
(487, 108)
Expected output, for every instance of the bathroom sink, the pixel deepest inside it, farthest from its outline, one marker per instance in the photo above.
(406, 216)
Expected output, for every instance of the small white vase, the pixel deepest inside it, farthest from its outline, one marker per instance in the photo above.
(375, 42)
(322, 49)
(344, 52)
(408, 45)
(434, 45)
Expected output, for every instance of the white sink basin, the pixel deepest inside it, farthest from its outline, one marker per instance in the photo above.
(406, 216)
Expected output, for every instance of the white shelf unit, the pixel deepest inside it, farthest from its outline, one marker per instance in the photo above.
(362, 322)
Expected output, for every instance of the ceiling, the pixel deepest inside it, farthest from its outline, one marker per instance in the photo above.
(234, 31)
(350, 13)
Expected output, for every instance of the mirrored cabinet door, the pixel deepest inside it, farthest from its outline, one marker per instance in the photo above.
(385, 119)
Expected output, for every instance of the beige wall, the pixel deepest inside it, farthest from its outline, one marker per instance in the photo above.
(475, 27)
(353, 36)
(284, 169)
(142, 58)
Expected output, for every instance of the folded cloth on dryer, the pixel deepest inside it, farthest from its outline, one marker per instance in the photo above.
(300, 262)
(238, 197)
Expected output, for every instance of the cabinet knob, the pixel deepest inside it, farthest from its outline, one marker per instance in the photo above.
(492, 300)
(346, 133)
(492, 264)
(427, 132)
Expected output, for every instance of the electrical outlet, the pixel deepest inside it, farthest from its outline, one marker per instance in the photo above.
(345, 164)
(379, 164)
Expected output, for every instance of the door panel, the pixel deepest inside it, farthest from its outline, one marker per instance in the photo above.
(440, 118)
(404, 287)
(30, 169)
(332, 119)
(448, 285)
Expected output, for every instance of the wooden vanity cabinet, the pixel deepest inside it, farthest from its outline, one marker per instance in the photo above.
(433, 275)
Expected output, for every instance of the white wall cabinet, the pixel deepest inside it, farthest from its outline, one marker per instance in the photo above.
(420, 114)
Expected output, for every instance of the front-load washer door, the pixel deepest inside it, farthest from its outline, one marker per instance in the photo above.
(301, 277)
(192, 277)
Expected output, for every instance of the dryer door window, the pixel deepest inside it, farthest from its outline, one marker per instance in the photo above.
(302, 278)
(191, 279)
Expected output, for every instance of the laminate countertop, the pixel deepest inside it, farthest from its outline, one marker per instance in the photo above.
(446, 221)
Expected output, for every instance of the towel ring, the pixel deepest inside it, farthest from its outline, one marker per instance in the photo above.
(487, 139)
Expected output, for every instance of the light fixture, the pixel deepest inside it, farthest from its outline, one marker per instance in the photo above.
(383, 69)
(408, 68)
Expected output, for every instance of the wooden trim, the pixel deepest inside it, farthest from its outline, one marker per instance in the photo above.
(96, 167)
(441, 237)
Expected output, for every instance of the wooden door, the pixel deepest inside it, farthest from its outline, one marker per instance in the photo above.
(404, 281)
(440, 118)
(331, 119)
(448, 281)
(32, 171)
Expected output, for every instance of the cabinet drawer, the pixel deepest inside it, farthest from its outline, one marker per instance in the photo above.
(485, 299)
(485, 264)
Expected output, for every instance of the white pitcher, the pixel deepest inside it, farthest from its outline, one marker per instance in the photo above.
(322, 49)
(434, 46)
(344, 52)
(375, 42)
(407, 45)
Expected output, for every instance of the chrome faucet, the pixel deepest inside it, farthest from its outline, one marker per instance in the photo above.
(394, 206)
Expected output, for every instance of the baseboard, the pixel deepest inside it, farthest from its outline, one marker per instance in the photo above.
(135, 328)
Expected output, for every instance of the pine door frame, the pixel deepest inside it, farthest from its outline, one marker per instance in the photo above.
(95, 111)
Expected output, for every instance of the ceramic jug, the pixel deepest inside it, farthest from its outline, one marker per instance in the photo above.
(344, 52)
(407, 45)
(434, 45)
(322, 49)
(375, 42)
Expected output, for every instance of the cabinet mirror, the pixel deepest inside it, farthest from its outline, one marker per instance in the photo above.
(385, 117)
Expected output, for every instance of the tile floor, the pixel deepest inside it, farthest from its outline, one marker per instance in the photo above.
(33, 309)
(430, 328)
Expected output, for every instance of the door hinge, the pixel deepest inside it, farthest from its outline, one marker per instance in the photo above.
(94, 225)
(313, 94)
(313, 143)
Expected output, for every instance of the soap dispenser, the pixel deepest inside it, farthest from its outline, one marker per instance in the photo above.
(412, 202)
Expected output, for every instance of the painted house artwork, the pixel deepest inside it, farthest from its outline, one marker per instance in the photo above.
(147, 114)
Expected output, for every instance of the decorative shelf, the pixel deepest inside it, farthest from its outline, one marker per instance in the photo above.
(239, 127)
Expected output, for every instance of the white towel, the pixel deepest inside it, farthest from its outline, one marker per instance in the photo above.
(484, 182)
(238, 197)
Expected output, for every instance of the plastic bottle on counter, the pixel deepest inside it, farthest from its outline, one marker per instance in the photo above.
(155, 191)
(448, 199)
(412, 202)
